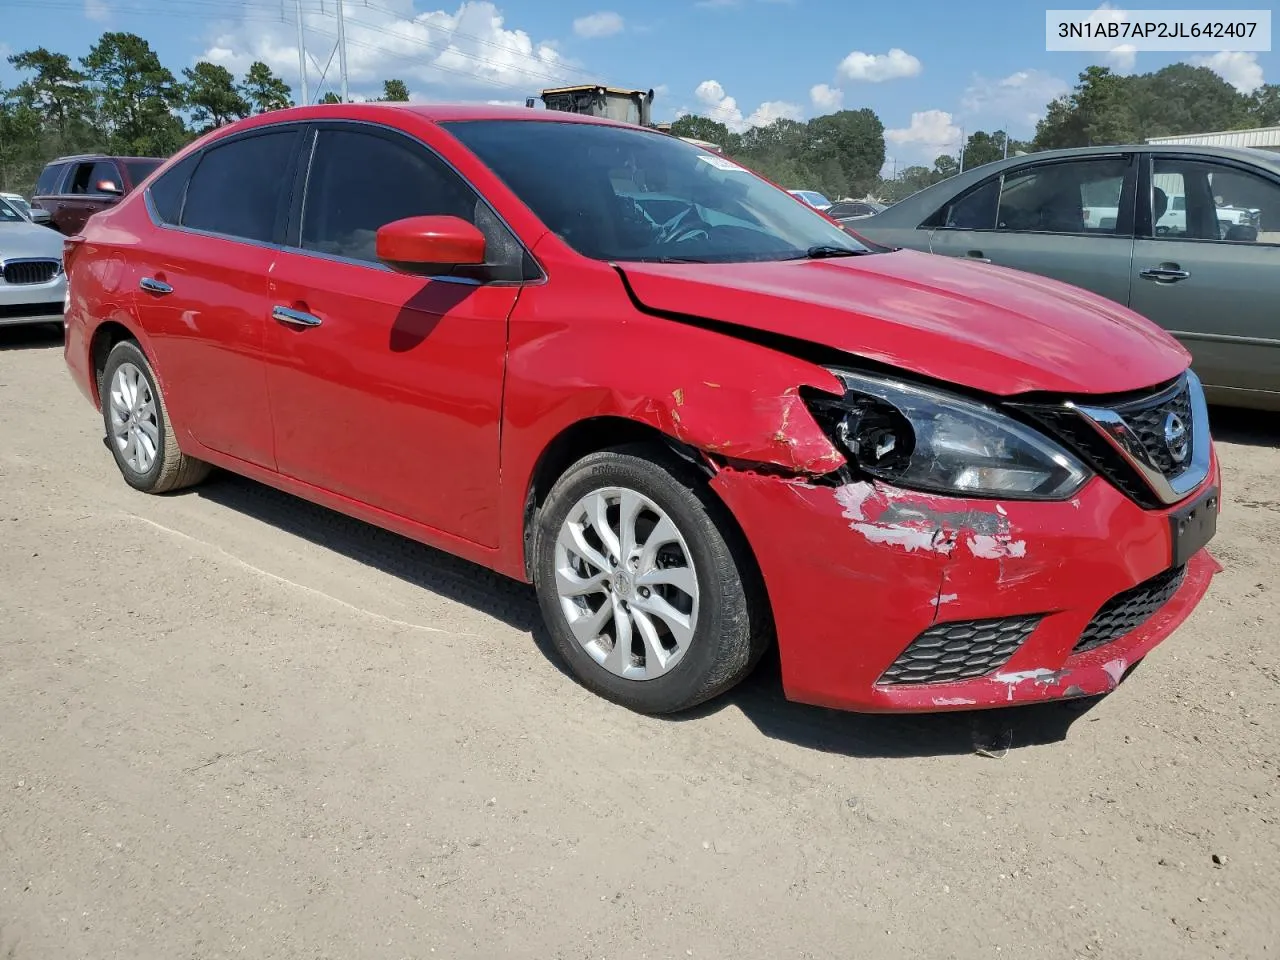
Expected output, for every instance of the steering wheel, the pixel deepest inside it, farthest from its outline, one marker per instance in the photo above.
(676, 230)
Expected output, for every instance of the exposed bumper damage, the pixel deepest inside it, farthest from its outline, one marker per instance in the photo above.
(857, 572)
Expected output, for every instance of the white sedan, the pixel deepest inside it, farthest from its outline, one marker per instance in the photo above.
(33, 287)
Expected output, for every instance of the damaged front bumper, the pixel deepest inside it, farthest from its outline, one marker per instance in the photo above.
(888, 600)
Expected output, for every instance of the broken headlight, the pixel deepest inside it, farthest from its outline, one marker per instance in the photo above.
(930, 440)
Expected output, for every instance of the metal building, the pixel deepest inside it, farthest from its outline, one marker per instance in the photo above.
(1261, 138)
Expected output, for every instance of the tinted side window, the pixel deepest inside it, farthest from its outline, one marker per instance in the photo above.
(170, 188)
(976, 210)
(360, 181)
(238, 187)
(50, 179)
(1081, 196)
(104, 171)
(81, 179)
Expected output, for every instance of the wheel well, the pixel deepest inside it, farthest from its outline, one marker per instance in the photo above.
(105, 338)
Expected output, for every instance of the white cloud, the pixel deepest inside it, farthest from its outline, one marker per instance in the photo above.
(1241, 70)
(719, 106)
(97, 10)
(932, 132)
(469, 52)
(878, 67)
(1018, 100)
(603, 24)
(826, 98)
(1122, 57)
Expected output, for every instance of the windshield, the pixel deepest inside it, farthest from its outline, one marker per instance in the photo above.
(813, 199)
(8, 214)
(139, 170)
(613, 193)
(18, 204)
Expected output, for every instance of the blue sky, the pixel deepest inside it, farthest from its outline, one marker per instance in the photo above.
(929, 68)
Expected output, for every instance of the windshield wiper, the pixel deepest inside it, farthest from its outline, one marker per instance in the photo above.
(822, 251)
(677, 260)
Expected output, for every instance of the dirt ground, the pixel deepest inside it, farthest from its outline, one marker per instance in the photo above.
(233, 724)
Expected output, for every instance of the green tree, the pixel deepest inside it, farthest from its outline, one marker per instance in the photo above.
(701, 128)
(395, 91)
(1181, 98)
(1264, 106)
(1098, 111)
(845, 150)
(331, 97)
(135, 95)
(210, 93)
(21, 132)
(56, 90)
(945, 166)
(263, 90)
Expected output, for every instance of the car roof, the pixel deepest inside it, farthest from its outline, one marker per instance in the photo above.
(433, 112)
(927, 201)
(97, 156)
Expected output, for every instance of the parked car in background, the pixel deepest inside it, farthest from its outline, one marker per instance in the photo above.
(33, 287)
(812, 197)
(843, 211)
(19, 203)
(936, 485)
(1188, 236)
(72, 189)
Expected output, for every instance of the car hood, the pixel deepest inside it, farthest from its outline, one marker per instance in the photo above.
(28, 239)
(981, 326)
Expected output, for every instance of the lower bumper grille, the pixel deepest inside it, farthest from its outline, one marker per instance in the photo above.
(960, 650)
(1127, 611)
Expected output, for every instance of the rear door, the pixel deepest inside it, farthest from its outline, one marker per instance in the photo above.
(1208, 278)
(1069, 219)
(202, 280)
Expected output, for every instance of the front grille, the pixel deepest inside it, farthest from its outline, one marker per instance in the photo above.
(1147, 421)
(29, 271)
(1127, 611)
(1145, 447)
(960, 650)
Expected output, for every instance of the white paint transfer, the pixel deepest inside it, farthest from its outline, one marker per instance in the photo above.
(911, 536)
(852, 496)
(1115, 670)
(995, 548)
(1011, 680)
(945, 598)
(952, 701)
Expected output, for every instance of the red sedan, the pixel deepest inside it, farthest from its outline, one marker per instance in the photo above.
(697, 415)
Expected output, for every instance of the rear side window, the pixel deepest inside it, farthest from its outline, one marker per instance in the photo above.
(170, 188)
(86, 177)
(50, 179)
(238, 188)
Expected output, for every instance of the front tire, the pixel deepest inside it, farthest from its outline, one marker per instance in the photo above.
(139, 432)
(648, 588)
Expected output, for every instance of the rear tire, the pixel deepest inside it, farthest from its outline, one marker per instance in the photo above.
(677, 584)
(139, 432)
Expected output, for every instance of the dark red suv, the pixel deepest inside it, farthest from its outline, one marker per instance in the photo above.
(72, 189)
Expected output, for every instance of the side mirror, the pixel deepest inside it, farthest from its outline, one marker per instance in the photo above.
(109, 186)
(427, 245)
(39, 215)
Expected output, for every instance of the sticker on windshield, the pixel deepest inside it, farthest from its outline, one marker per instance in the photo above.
(720, 163)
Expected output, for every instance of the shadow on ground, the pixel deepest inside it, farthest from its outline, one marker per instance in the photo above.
(32, 336)
(759, 697)
(1254, 428)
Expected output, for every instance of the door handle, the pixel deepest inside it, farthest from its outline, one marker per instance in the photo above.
(155, 286)
(977, 255)
(1165, 273)
(295, 318)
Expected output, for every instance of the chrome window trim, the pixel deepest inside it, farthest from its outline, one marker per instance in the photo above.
(1112, 427)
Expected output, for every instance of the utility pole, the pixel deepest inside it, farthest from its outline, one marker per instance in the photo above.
(342, 52)
(963, 142)
(1006, 145)
(302, 54)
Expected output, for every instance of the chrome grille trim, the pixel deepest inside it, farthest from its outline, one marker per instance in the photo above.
(1111, 425)
(18, 271)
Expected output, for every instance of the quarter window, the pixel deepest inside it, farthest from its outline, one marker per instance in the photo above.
(361, 181)
(170, 188)
(238, 188)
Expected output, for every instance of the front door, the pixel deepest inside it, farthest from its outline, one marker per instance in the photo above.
(1210, 272)
(1070, 220)
(386, 388)
(201, 287)
(83, 195)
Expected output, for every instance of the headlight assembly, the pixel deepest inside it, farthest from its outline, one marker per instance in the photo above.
(930, 440)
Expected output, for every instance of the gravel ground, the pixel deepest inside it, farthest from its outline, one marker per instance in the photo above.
(234, 724)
